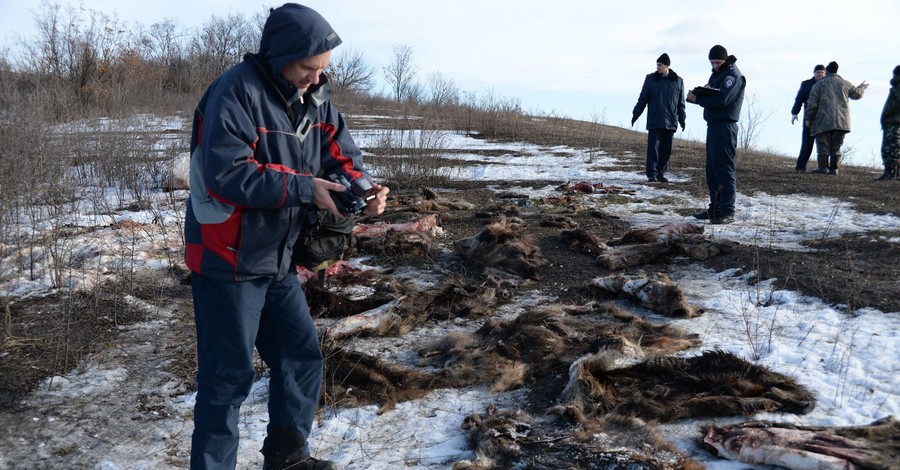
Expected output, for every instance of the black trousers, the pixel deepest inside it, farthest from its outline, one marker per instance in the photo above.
(659, 150)
(806, 148)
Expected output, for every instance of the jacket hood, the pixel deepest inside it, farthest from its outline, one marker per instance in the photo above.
(294, 32)
(671, 76)
(895, 81)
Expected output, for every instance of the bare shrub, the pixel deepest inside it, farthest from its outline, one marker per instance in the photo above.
(410, 157)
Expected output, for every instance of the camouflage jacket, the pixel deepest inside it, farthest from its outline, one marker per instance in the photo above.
(828, 107)
(890, 115)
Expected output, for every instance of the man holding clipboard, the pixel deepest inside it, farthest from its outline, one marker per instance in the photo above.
(721, 99)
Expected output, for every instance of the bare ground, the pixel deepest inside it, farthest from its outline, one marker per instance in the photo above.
(49, 336)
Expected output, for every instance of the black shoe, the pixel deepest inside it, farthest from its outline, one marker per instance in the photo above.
(308, 463)
(800, 170)
(833, 171)
(820, 171)
(701, 215)
(886, 176)
(651, 179)
(721, 220)
(662, 179)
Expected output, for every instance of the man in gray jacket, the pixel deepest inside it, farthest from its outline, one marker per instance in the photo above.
(663, 95)
(828, 116)
(264, 140)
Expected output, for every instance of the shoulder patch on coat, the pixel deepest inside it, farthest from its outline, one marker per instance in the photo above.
(729, 82)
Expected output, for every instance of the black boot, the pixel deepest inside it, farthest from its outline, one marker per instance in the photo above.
(284, 449)
(890, 172)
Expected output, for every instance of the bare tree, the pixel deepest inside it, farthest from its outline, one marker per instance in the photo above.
(350, 72)
(442, 89)
(400, 74)
(752, 124)
(222, 42)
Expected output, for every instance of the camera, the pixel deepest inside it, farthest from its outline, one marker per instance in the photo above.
(354, 199)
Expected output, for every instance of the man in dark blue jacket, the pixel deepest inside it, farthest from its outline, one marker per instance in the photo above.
(807, 141)
(663, 96)
(263, 134)
(721, 99)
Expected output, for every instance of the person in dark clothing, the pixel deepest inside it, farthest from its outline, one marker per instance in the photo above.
(806, 140)
(828, 116)
(264, 135)
(663, 96)
(721, 99)
(890, 127)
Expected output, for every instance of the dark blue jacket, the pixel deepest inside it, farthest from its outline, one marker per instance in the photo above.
(803, 95)
(664, 99)
(253, 156)
(725, 106)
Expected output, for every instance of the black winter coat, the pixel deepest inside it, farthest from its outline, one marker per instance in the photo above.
(726, 105)
(802, 95)
(663, 96)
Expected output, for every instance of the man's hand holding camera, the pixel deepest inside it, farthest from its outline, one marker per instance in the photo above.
(375, 198)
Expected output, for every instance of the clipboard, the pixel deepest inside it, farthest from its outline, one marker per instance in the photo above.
(706, 91)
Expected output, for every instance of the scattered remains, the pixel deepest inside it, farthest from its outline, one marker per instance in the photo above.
(543, 341)
(655, 292)
(505, 439)
(875, 446)
(713, 384)
(642, 246)
(580, 239)
(502, 245)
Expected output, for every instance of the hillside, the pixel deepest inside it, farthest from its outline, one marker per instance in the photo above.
(101, 377)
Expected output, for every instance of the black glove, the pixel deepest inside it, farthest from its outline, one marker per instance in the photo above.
(682, 126)
(633, 120)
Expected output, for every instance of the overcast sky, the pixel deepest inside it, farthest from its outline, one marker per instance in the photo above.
(587, 59)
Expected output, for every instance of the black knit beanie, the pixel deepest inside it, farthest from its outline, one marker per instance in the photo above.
(832, 67)
(818, 67)
(664, 59)
(897, 70)
(718, 53)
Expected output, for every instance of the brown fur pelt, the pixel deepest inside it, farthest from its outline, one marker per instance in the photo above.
(511, 438)
(539, 342)
(874, 446)
(452, 298)
(713, 384)
(580, 239)
(655, 292)
(642, 246)
(399, 243)
(502, 245)
(324, 303)
(355, 379)
(663, 233)
(559, 221)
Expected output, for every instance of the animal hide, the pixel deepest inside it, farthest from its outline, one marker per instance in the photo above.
(354, 379)
(713, 384)
(581, 240)
(642, 246)
(511, 438)
(875, 446)
(429, 224)
(503, 246)
(656, 292)
(547, 339)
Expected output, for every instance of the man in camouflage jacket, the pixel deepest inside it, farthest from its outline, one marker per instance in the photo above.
(890, 125)
(828, 116)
